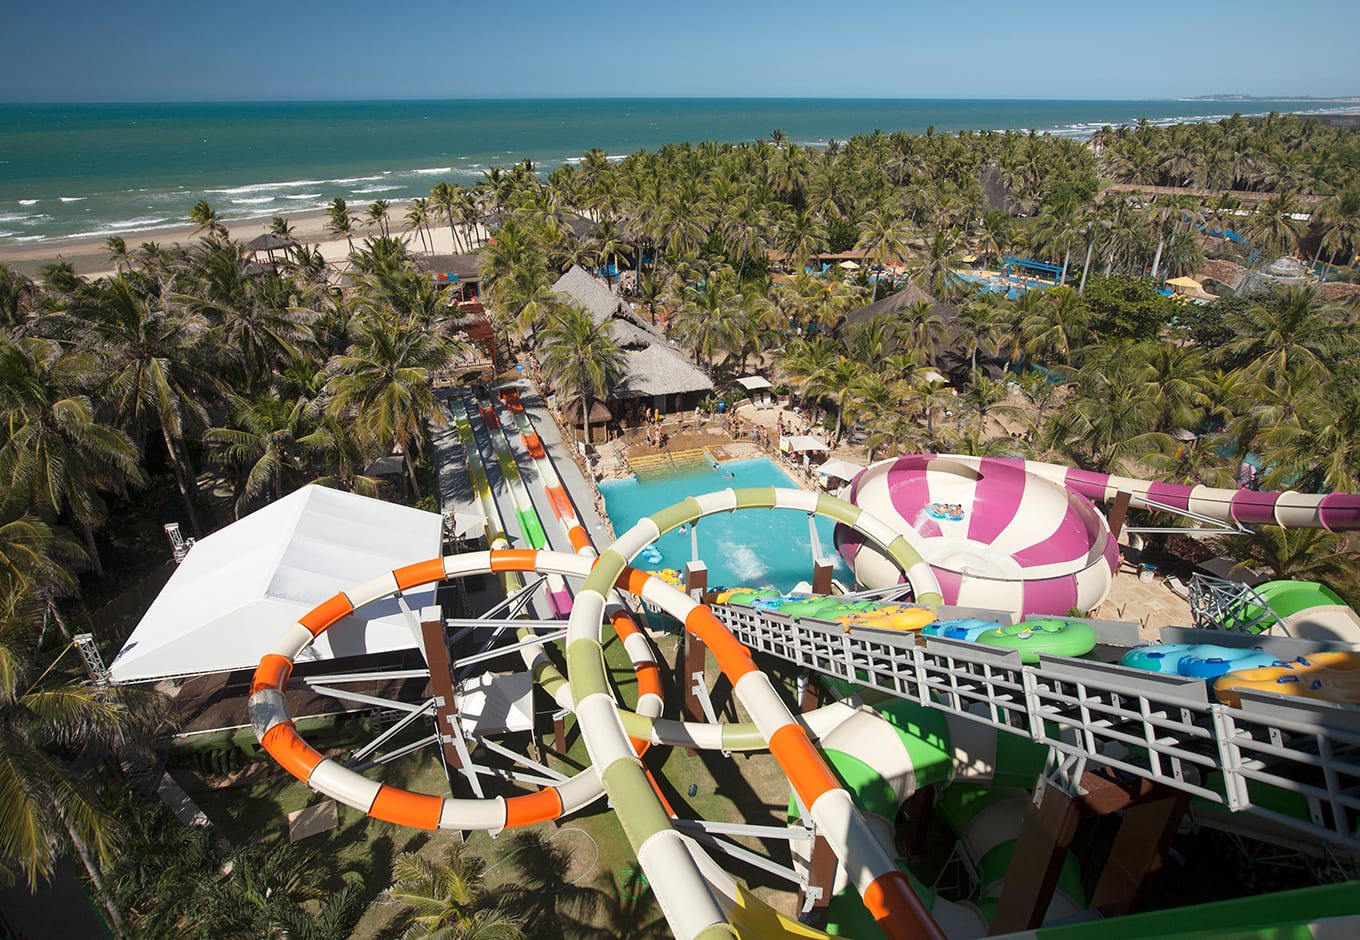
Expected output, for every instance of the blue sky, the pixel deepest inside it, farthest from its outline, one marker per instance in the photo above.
(188, 50)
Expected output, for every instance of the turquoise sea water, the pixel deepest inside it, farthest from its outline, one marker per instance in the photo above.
(96, 170)
(756, 547)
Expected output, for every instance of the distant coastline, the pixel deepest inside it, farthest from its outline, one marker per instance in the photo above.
(75, 175)
(1352, 99)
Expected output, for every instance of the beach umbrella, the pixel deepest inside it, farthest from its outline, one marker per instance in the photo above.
(269, 242)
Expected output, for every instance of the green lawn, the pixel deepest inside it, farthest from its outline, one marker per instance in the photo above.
(740, 788)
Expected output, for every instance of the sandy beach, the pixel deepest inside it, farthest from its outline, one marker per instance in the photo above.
(90, 256)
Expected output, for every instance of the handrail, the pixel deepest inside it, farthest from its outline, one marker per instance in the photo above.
(1159, 727)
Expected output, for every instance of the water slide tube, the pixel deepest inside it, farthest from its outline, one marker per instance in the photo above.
(997, 554)
(1305, 914)
(683, 890)
(885, 753)
(1306, 609)
(558, 597)
(996, 536)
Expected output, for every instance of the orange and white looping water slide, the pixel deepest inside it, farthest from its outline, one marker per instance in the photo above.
(682, 877)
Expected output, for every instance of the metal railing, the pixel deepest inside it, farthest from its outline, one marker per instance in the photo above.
(1294, 762)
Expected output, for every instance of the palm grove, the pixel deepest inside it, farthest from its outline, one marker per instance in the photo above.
(192, 364)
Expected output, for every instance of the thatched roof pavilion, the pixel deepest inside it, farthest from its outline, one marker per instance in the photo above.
(654, 371)
(894, 304)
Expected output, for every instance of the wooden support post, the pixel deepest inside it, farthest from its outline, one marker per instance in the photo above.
(1032, 877)
(821, 577)
(695, 655)
(696, 577)
(695, 662)
(560, 735)
(1119, 511)
(1139, 852)
(821, 878)
(441, 686)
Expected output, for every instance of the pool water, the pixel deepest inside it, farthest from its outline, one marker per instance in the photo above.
(753, 547)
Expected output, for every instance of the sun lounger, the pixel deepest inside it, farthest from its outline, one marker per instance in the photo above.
(1178, 587)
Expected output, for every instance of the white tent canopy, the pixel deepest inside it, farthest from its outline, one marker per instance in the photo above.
(239, 588)
(753, 383)
(800, 442)
(840, 469)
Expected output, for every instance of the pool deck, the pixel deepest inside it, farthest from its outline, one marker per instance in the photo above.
(1151, 604)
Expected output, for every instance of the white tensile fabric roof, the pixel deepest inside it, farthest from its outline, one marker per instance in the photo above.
(237, 590)
(753, 383)
(806, 442)
(841, 469)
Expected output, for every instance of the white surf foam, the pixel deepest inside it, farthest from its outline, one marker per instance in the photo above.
(266, 187)
(71, 198)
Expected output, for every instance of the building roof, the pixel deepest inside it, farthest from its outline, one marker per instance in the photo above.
(238, 590)
(894, 304)
(651, 364)
(600, 302)
(467, 267)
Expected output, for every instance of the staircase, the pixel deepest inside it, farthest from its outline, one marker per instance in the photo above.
(669, 463)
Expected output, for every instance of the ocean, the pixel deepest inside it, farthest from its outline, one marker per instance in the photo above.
(93, 170)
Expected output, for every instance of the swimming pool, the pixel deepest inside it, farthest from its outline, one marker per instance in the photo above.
(757, 547)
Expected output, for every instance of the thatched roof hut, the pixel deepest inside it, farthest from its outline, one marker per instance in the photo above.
(894, 304)
(949, 357)
(652, 367)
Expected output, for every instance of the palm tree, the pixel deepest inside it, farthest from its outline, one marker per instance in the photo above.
(1109, 419)
(933, 269)
(446, 898)
(266, 444)
(418, 218)
(382, 384)
(56, 455)
(839, 382)
(883, 236)
(261, 888)
(51, 803)
(1295, 554)
(118, 252)
(1272, 228)
(35, 556)
(580, 357)
(1292, 330)
(1057, 328)
(377, 214)
(278, 225)
(18, 297)
(340, 221)
(978, 326)
(920, 330)
(156, 369)
(1340, 229)
(708, 320)
(205, 218)
(258, 324)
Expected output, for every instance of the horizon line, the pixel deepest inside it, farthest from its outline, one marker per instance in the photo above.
(1222, 98)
